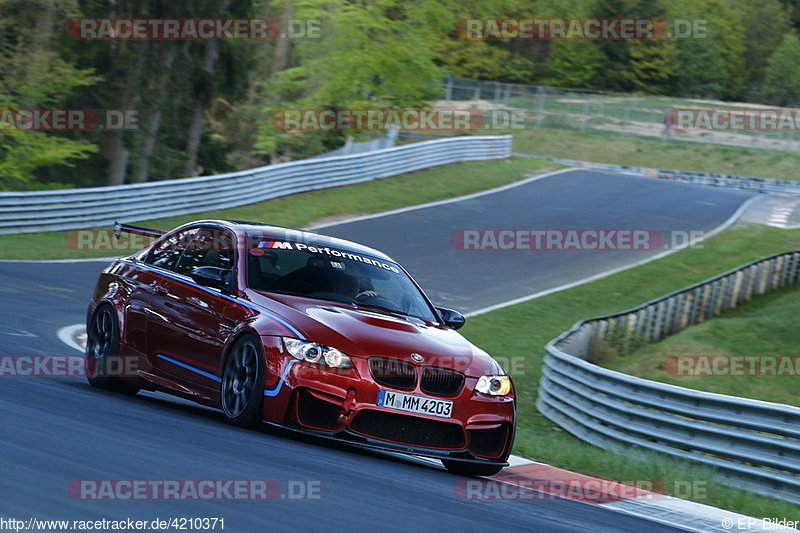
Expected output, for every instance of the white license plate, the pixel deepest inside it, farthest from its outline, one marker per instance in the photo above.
(414, 403)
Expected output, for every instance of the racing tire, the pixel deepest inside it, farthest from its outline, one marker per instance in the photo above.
(242, 386)
(102, 342)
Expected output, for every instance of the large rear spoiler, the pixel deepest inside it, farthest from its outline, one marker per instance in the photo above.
(137, 230)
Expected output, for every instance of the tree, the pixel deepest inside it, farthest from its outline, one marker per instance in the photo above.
(34, 76)
(371, 54)
(634, 65)
(765, 24)
(652, 66)
(574, 64)
(709, 64)
(474, 59)
(782, 76)
(699, 56)
(701, 71)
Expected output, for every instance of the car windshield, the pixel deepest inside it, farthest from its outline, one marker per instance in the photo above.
(334, 275)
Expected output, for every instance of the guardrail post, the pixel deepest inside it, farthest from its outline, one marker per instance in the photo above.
(763, 277)
(724, 294)
(737, 289)
(795, 276)
(685, 316)
(777, 272)
(750, 283)
(702, 314)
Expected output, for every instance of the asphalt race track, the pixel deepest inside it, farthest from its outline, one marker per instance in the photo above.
(55, 431)
(420, 239)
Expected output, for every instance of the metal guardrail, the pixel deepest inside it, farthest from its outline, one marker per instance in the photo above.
(28, 212)
(745, 183)
(755, 442)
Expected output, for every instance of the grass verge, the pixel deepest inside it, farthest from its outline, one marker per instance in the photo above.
(301, 209)
(520, 332)
(760, 327)
(638, 151)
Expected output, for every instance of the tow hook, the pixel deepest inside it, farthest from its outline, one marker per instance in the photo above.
(349, 400)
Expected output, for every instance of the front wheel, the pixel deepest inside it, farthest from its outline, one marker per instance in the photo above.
(242, 387)
(470, 469)
(102, 346)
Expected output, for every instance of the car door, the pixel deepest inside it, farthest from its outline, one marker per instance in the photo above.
(143, 275)
(189, 323)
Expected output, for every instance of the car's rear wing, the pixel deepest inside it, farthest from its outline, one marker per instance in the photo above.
(136, 230)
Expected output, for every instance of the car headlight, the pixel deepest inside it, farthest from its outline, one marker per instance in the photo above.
(494, 385)
(316, 353)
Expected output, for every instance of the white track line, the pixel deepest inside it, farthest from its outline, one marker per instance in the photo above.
(725, 225)
(445, 201)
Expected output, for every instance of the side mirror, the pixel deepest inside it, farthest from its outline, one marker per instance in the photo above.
(209, 276)
(452, 318)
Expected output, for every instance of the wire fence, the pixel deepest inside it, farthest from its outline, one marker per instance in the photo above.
(608, 113)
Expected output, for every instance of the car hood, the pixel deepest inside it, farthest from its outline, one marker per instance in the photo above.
(366, 333)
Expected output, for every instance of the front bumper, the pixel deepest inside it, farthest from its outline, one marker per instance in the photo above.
(341, 405)
(349, 438)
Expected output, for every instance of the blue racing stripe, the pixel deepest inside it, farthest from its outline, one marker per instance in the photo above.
(175, 277)
(277, 388)
(189, 367)
(284, 324)
(272, 316)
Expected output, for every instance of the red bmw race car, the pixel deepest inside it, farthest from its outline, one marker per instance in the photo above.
(307, 332)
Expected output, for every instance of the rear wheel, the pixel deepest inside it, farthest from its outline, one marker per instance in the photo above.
(242, 387)
(470, 469)
(102, 352)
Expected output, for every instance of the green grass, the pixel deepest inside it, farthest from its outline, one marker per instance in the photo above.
(302, 209)
(638, 151)
(518, 334)
(765, 325)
